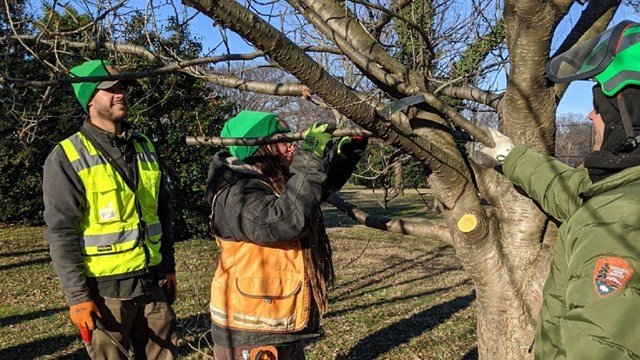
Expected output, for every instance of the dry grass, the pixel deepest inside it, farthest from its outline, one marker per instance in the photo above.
(395, 297)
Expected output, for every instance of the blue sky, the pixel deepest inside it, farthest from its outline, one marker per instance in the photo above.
(577, 99)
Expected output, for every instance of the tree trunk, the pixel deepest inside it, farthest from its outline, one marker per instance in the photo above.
(398, 179)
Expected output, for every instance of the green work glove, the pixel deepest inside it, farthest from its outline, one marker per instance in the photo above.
(349, 147)
(316, 139)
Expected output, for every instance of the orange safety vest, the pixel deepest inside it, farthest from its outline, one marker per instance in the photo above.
(260, 288)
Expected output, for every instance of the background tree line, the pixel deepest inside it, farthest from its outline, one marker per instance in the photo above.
(170, 107)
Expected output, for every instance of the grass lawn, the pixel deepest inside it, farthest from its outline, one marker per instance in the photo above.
(395, 296)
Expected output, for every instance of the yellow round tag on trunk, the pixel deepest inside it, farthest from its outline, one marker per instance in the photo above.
(467, 223)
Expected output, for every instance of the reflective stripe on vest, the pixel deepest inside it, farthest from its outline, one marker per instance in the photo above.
(111, 227)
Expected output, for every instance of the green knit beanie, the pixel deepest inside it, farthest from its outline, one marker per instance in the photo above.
(250, 124)
(84, 90)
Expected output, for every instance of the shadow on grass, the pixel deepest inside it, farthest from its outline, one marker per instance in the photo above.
(194, 333)
(394, 299)
(375, 289)
(335, 218)
(380, 342)
(16, 319)
(41, 261)
(392, 270)
(51, 347)
(23, 253)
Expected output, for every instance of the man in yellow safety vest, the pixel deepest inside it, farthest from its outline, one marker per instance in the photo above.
(108, 227)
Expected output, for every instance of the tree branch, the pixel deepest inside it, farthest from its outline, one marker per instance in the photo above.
(390, 13)
(329, 15)
(593, 20)
(386, 16)
(235, 82)
(275, 138)
(436, 232)
(95, 21)
(474, 94)
(187, 66)
(284, 52)
(137, 50)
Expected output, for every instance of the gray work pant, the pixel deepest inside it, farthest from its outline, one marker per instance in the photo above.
(146, 324)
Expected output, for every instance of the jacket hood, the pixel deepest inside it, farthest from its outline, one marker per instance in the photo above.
(225, 170)
(608, 107)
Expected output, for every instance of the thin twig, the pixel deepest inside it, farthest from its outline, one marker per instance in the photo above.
(359, 256)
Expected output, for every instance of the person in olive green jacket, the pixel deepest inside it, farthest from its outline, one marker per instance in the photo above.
(591, 299)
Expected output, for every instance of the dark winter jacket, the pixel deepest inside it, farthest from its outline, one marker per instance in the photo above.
(247, 209)
(65, 203)
(591, 303)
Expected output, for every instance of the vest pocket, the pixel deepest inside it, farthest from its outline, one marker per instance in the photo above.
(267, 303)
(268, 288)
(105, 202)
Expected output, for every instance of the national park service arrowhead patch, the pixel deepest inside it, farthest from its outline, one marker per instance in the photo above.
(611, 274)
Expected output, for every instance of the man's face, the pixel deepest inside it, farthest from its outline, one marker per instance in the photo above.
(109, 104)
(598, 127)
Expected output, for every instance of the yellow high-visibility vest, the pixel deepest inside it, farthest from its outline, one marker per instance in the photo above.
(116, 238)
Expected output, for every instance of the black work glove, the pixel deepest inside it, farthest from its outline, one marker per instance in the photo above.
(171, 288)
(343, 159)
(351, 147)
(345, 150)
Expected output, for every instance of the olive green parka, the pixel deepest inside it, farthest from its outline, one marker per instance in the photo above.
(591, 306)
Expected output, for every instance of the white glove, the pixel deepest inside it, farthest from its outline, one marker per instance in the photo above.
(503, 146)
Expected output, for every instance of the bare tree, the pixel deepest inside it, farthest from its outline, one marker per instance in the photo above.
(383, 171)
(574, 138)
(355, 57)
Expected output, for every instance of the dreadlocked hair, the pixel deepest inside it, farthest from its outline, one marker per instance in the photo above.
(316, 247)
(270, 166)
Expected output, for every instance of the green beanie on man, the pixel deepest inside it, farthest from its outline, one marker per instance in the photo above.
(85, 90)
